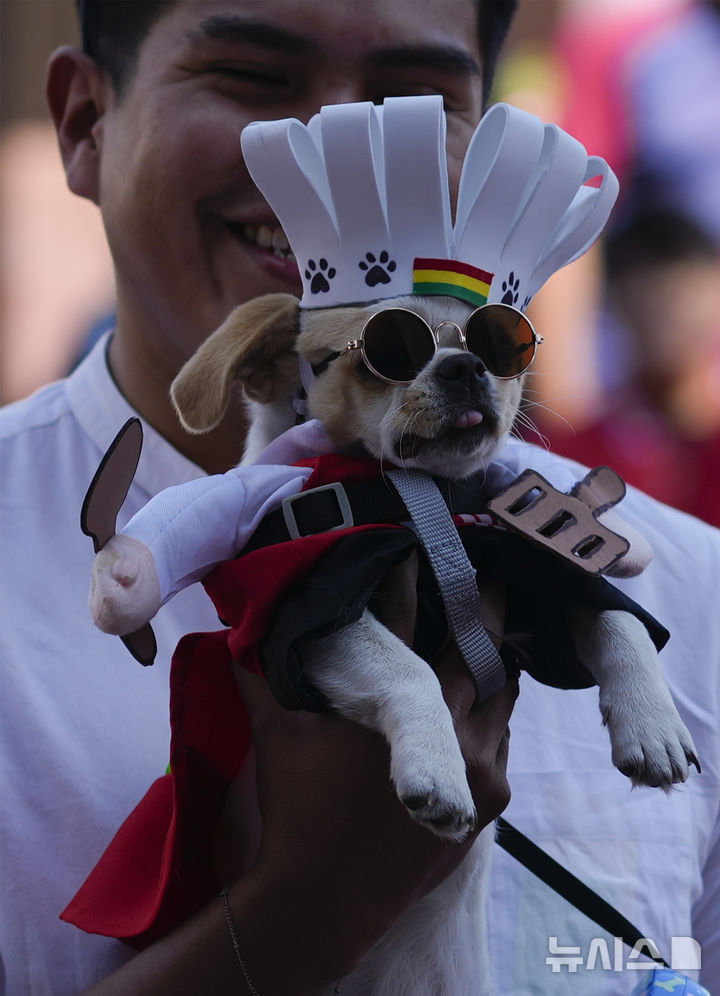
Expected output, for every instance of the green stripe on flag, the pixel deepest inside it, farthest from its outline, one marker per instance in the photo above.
(450, 290)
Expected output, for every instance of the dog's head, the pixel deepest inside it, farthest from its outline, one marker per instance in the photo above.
(441, 410)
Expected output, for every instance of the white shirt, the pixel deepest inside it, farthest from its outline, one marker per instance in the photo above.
(84, 729)
(656, 858)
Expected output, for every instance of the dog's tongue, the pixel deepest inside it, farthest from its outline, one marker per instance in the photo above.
(468, 419)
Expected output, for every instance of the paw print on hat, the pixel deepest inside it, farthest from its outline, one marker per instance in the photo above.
(319, 274)
(379, 268)
(510, 288)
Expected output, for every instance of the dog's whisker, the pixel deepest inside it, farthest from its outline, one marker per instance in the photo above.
(407, 428)
(527, 424)
(384, 434)
(542, 440)
(483, 469)
(523, 419)
(528, 402)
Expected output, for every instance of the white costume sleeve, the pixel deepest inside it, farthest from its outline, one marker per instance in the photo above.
(190, 528)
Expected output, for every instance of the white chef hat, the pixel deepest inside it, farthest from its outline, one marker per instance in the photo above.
(363, 196)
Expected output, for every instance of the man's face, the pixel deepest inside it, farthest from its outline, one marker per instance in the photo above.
(186, 225)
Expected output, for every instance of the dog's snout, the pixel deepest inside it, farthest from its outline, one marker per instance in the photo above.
(460, 371)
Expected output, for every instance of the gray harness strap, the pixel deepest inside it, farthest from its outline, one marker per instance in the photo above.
(455, 575)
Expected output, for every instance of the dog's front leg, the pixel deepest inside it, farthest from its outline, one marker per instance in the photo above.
(650, 743)
(372, 677)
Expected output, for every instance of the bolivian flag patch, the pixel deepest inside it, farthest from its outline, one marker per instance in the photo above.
(452, 278)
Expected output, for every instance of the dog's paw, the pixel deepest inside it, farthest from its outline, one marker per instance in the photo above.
(650, 745)
(448, 814)
(431, 783)
(125, 589)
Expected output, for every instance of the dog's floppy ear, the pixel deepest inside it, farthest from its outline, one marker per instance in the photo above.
(255, 345)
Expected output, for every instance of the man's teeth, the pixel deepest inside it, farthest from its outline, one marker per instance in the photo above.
(266, 237)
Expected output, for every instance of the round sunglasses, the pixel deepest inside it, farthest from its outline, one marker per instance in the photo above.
(396, 344)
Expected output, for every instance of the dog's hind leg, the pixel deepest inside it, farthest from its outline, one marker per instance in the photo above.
(371, 676)
(650, 743)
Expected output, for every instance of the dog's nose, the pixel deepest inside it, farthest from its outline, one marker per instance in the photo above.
(460, 371)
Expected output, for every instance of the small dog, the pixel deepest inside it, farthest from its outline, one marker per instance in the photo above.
(417, 398)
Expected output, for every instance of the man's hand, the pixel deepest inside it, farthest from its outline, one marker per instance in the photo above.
(340, 858)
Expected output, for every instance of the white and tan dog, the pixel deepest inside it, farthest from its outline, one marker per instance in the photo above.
(449, 420)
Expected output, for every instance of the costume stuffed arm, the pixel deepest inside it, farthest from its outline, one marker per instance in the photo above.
(178, 537)
(186, 530)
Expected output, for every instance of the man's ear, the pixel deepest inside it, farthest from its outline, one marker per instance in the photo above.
(78, 92)
(254, 346)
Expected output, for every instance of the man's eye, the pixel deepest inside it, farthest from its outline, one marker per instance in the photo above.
(452, 103)
(251, 76)
(402, 91)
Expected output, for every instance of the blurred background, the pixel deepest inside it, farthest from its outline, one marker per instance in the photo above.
(629, 373)
(55, 271)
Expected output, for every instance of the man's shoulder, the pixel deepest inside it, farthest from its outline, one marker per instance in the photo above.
(663, 525)
(41, 410)
(42, 443)
(562, 472)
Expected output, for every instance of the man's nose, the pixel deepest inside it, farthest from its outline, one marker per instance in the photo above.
(340, 88)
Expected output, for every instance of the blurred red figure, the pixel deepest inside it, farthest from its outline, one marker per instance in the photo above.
(660, 429)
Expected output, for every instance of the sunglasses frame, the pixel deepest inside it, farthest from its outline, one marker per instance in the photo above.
(359, 343)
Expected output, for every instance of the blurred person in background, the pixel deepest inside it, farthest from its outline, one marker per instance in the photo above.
(641, 87)
(639, 84)
(660, 427)
(55, 269)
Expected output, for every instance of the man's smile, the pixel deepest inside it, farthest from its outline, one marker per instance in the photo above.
(268, 237)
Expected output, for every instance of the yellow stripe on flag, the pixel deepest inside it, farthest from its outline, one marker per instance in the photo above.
(449, 277)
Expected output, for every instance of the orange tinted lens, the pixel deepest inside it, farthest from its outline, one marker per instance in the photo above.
(503, 338)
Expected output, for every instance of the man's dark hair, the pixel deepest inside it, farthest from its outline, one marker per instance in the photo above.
(658, 236)
(113, 31)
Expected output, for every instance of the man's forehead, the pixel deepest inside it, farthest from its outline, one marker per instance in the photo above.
(435, 30)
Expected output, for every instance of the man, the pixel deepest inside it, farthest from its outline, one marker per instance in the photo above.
(149, 129)
(153, 138)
